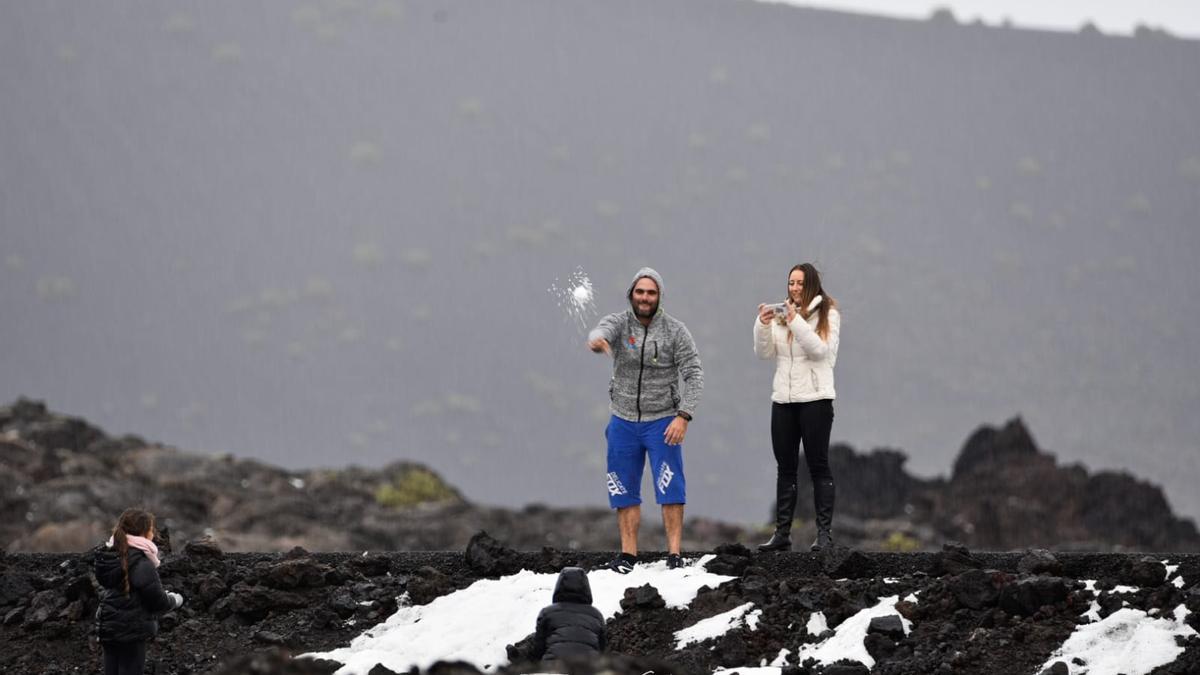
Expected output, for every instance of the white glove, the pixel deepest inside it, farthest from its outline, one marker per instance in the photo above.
(176, 599)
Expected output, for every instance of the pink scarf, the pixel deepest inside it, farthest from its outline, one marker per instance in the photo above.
(142, 544)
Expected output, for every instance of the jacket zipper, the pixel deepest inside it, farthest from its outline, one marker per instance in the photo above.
(641, 368)
(791, 362)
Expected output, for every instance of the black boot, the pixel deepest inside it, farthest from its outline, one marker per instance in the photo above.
(823, 497)
(785, 508)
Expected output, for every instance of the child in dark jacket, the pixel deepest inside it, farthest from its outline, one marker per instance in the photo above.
(571, 628)
(131, 595)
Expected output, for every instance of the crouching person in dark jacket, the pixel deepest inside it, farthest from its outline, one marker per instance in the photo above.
(131, 595)
(571, 628)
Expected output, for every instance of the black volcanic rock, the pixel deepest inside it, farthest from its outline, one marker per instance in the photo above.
(1147, 572)
(303, 572)
(880, 487)
(642, 597)
(988, 447)
(256, 601)
(248, 624)
(1005, 493)
(274, 662)
(13, 587)
(845, 667)
(843, 561)
(204, 547)
(1029, 595)
(974, 589)
(730, 559)
(488, 557)
(209, 588)
(372, 565)
(888, 626)
(1039, 561)
(428, 583)
(879, 646)
(954, 558)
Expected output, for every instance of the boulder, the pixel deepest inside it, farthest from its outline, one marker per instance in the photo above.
(1147, 572)
(45, 604)
(973, 589)
(1027, 596)
(299, 573)
(427, 584)
(203, 547)
(488, 557)
(642, 597)
(845, 667)
(372, 565)
(209, 587)
(257, 601)
(1039, 561)
(888, 626)
(954, 558)
(843, 562)
(729, 565)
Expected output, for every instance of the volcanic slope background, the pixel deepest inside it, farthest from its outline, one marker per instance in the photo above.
(63, 481)
(298, 232)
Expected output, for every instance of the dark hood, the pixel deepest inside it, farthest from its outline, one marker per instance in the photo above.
(647, 273)
(107, 566)
(573, 586)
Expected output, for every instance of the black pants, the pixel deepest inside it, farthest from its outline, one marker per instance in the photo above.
(794, 423)
(124, 658)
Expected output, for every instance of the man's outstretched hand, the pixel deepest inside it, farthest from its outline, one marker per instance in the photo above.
(600, 345)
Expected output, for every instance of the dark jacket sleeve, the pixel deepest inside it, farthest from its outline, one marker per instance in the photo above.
(539, 638)
(143, 580)
(603, 633)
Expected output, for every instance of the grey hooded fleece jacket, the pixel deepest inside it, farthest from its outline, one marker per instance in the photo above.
(648, 362)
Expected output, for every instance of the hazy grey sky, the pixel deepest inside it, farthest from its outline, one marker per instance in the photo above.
(321, 233)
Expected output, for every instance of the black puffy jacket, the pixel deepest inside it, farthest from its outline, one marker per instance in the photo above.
(571, 627)
(132, 617)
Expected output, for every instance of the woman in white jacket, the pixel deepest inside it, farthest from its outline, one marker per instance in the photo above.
(802, 337)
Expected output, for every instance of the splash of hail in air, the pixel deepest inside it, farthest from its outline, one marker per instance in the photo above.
(574, 297)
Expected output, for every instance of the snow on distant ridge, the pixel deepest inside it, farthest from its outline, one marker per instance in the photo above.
(1179, 17)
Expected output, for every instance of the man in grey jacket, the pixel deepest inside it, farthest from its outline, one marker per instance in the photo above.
(651, 351)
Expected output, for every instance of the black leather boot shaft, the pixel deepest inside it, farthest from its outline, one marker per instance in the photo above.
(785, 509)
(824, 494)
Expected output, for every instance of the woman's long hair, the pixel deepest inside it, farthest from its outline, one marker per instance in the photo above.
(133, 522)
(813, 288)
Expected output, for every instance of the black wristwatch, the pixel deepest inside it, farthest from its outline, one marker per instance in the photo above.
(687, 417)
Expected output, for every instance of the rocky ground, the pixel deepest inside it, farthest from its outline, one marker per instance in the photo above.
(247, 613)
(63, 482)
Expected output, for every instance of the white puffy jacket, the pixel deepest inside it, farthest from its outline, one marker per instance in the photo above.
(803, 366)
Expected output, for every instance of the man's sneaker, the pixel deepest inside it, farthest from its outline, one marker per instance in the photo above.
(674, 562)
(623, 563)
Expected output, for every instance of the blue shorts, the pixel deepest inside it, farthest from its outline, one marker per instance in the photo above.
(628, 445)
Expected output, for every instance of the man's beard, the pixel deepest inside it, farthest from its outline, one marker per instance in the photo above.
(648, 313)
